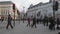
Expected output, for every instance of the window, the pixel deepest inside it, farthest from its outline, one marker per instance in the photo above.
(38, 14)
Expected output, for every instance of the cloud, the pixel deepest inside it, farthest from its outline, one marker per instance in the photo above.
(37, 1)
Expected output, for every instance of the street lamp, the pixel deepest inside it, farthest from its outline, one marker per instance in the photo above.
(55, 7)
(14, 13)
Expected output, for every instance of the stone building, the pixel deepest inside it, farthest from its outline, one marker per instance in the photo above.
(42, 9)
(6, 7)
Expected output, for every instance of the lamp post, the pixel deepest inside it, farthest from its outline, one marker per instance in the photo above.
(55, 7)
(23, 13)
(14, 13)
(14, 17)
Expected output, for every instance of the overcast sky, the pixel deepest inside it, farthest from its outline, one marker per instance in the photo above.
(25, 3)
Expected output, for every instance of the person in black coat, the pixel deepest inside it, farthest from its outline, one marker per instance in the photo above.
(52, 24)
(45, 21)
(34, 22)
(9, 22)
(58, 23)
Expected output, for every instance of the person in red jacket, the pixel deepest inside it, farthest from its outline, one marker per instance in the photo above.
(28, 22)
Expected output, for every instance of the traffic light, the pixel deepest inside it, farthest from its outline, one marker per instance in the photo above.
(14, 6)
(55, 6)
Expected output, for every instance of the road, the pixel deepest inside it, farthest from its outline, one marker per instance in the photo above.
(21, 28)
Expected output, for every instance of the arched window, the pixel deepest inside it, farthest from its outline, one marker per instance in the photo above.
(38, 14)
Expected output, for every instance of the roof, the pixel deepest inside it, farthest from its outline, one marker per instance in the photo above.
(5, 2)
(39, 4)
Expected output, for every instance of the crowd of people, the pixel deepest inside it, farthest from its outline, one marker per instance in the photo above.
(46, 21)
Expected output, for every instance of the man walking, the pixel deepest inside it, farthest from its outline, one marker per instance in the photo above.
(52, 24)
(58, 23)
(28, 22)
(34, 22)
(9, 22)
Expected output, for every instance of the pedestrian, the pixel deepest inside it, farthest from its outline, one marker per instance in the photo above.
(2, 18)
(28, 22)
(52, 24)
(34, 22)
(40, 20)
(23, 19)
(58, 23)
(37, 21)
(44, 21)
(9, 22)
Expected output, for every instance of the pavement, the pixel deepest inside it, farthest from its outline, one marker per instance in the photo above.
(21, 28)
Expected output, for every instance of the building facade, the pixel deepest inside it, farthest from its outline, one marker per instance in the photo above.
(6, 7)
(42, 9)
